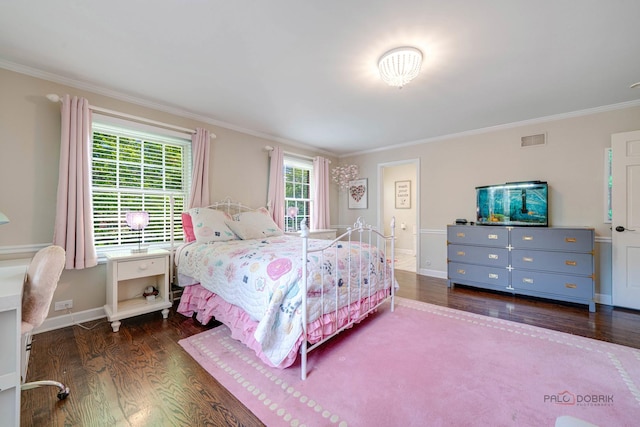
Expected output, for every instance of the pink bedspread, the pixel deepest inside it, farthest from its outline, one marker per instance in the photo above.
(207, 305)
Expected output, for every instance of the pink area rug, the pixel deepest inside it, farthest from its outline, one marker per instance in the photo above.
(428, 365)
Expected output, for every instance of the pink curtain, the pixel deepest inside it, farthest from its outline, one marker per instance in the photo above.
(276, 186)
(200, 144)
(320, 207)
(74, 211)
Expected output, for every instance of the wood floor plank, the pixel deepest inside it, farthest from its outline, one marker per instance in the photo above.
(141, 376)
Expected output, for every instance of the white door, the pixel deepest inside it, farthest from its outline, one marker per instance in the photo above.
(625, 206)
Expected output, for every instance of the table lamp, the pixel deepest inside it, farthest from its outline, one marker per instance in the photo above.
(138, 221)
(292, 212)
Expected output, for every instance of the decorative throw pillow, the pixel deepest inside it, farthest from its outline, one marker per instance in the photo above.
(259, 221)
(187, 227)
(209, 225)
(245, 231)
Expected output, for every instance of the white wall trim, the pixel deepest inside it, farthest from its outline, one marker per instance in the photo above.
(44, 75)
(539, 120)
(433, 273)
(22, 249)
(59, 322)
(433, 231)
(603, 299)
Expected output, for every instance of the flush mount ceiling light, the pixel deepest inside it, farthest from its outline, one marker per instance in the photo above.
(400, 65)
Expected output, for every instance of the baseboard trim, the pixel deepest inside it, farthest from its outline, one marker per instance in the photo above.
(433, 273)
(59, 322)
(604, 299)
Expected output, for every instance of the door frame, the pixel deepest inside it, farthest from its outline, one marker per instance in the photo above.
(621, 295)
(380, 207)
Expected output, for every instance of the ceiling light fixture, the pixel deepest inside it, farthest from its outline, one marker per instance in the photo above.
(400, 65)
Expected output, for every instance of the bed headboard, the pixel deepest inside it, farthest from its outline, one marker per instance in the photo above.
(230, 207)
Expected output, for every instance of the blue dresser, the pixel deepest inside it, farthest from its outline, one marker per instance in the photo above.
(554, 262)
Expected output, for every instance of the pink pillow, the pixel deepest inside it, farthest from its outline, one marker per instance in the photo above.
(187, 226)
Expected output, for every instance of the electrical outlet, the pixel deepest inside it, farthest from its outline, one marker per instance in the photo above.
(63, 305)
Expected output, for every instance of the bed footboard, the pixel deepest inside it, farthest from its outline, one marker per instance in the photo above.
(358, 239)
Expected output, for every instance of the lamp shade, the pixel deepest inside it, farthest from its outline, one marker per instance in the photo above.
(292, 211)
(137, 220)
(400, 65)
(3, 218)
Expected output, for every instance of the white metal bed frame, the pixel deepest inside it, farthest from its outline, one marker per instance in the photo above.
(366, 234)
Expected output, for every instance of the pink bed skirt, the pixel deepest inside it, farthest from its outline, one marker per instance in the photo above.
(207, 305)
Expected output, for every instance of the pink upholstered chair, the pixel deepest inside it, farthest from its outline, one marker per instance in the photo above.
(41, 282)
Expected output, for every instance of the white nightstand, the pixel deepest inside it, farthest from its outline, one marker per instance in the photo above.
(128, 275)
(327, 234)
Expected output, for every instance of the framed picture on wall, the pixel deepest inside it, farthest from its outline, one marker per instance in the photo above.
(403, 194)
(358, 194)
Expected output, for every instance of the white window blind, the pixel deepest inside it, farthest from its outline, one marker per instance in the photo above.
(137, 170)
(298, 174)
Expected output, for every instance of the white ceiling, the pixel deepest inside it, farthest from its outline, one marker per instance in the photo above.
(305, 71)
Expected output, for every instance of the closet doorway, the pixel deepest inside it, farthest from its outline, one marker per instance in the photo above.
(399, 197)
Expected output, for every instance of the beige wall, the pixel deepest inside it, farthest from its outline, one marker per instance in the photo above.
(572, 162)
(29, 143)
(405, 239)
(450, 169)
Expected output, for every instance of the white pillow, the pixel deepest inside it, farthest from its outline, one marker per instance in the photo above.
(209, 225)
(245, 231)
(258, 222)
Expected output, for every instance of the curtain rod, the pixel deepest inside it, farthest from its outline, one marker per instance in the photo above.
(56, 98)
(288, 153)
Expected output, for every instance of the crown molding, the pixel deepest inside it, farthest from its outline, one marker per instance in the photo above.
(539, 120)
(89, 87)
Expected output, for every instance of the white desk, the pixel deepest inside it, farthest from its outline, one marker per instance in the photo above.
(12, 274)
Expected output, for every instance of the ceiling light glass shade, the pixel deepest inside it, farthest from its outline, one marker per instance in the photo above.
(400, 65)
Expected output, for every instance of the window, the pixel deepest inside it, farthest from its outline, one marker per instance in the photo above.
(134, 170)
(297, 190)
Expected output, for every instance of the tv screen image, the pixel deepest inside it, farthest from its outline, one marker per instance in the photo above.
(513, 203)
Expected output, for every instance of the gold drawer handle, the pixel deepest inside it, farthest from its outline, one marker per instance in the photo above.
(492, 237)
(493, 276)
(570, 239)
(460, 253)
(493, 256)
(527, 259)
(460, 234)
(527, 280)
(461, 271)
(570, 285)
(572, 263)
(527, 237)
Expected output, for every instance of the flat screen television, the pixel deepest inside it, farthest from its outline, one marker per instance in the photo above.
(513, 203)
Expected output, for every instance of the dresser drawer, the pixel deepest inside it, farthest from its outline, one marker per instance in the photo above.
(561, 262)
(557, 239)
(494, 257)
(478, 273)
(559, 284)
(141, 268)
(478, 235)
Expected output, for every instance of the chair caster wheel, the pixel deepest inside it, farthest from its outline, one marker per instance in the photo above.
(62, 394)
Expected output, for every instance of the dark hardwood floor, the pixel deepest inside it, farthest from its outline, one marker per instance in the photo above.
(140, 376)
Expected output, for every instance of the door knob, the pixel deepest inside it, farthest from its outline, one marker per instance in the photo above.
(621, 229)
